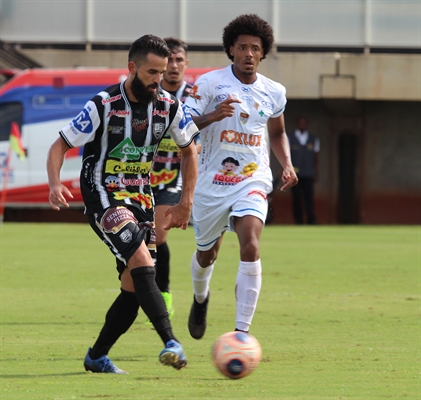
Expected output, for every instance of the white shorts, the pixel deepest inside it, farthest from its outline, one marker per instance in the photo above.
(214, 215)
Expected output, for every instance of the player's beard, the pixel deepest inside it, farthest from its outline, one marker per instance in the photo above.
(142, 92)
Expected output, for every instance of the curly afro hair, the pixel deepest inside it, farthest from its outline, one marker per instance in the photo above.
(248, 24)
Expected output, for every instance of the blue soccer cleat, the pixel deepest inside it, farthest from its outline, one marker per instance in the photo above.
(173, 355)
(102, 364)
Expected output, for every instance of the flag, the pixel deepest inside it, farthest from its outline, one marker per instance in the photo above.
(15, 141)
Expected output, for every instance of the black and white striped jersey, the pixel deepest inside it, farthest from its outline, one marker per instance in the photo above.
(120, 140)
(166, 167)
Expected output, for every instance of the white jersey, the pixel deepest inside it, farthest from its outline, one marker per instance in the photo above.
(235, 151)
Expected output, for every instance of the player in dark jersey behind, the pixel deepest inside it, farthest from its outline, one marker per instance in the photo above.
(121, 128)
(166, 179)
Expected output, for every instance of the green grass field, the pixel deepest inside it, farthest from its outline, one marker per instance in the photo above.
(338, 316)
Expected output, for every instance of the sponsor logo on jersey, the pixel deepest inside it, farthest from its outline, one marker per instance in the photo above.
(245, 89)
(267, 104)
(111, 99)
(82, 123)
(127, 149)
(221, 97)
(244, 117)
(139, 124)
(167, 145)
(116, 218)
(247, 101)
(144, 199)
(163, 177)
(194, 94)
(118, 113)
(247, 139)
(228, 176)
(161, 113)
(164, 160)
(134, 182)
(133, 168)
(228, 180)
(166, 99)
(112, 183)
(186, 120)
(219, 87)
(115, 129)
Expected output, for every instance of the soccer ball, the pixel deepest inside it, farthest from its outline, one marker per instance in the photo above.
(236, 354)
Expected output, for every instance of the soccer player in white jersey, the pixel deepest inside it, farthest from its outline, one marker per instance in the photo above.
(232, 107)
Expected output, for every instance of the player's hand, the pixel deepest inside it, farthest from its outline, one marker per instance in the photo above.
(180, 216)
(225, 109)
(57, 197)
(289, 178)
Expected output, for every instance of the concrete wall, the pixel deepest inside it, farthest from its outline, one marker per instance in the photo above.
(305, 75)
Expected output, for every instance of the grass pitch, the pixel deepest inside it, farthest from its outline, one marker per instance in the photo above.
(338, 316)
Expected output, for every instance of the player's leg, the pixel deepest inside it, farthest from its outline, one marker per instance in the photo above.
(163, 199)
(248, 216)
(118, 320)
(131, 241)
(162, 251)
(162, 265)
(210, 221)
(152, 303)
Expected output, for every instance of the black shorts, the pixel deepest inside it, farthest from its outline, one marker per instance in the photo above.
(123, 229)
(168, 196)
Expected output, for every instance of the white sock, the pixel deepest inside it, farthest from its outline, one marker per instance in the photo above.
(249, 282)
(201, 278)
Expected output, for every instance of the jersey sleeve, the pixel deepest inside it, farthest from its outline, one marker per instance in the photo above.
(281, 101)
(182, 128)
(82, 128)
(200, 96)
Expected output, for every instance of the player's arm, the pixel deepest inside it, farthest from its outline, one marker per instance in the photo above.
(55, 161)
(224, 110)
(279, 144)
(180, 213)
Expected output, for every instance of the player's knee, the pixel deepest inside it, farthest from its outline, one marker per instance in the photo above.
(140, 258)
(206, 258)
(250, 252)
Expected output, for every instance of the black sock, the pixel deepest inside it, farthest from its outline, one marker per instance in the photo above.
(151, 301)
(118, 320)
(162, 267)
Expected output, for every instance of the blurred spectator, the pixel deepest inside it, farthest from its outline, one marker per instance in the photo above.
(305, 149)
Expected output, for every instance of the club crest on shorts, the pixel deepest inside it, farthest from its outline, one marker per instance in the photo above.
(126, 236)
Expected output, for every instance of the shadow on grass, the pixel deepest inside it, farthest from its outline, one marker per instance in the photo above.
(26, 376)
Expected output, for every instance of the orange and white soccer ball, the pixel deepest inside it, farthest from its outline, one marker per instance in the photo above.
(236, 354)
